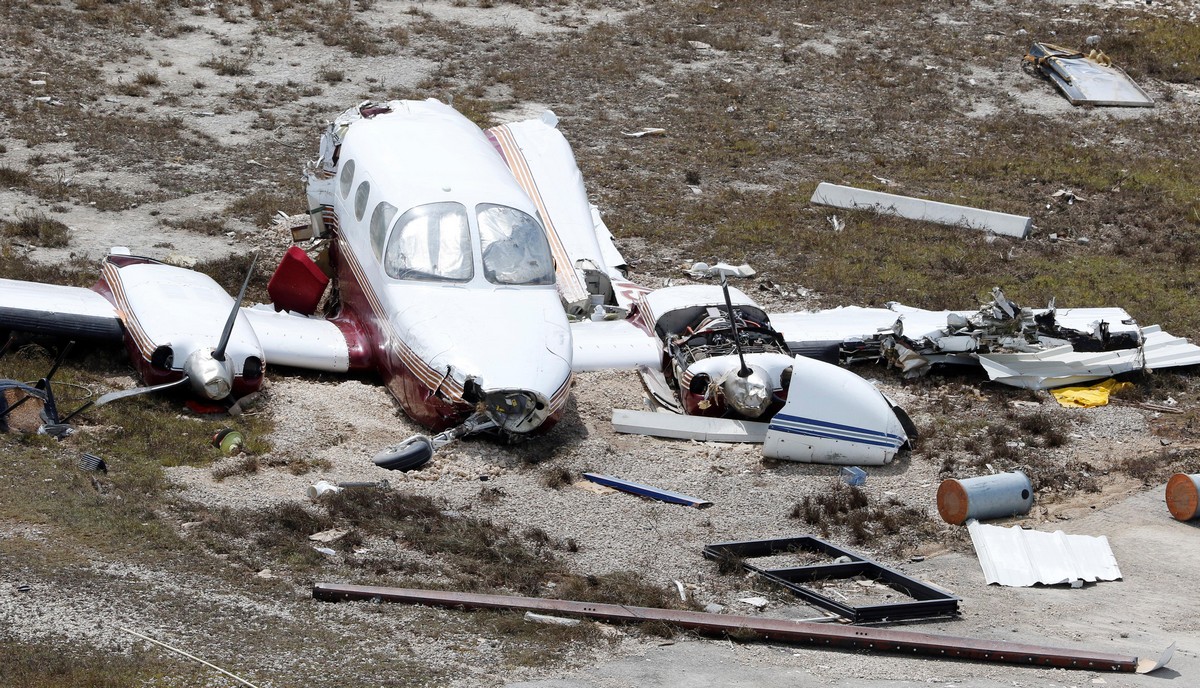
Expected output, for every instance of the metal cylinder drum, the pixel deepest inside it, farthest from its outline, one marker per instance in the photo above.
(989, 496)
(1183, 496)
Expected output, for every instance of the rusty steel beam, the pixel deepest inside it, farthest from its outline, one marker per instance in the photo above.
(780, 630)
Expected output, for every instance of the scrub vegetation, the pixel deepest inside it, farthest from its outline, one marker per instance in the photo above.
(760, 101)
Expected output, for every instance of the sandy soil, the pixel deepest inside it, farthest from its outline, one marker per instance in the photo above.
(342, 423)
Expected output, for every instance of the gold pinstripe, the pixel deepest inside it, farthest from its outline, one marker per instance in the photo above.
(112, 275)
(520, 169)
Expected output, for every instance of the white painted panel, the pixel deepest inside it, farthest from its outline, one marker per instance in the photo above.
(679, 426)
(920, 209)
(612, 345)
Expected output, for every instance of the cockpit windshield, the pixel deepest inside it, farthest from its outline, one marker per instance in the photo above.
(515, 250)
(431, 242)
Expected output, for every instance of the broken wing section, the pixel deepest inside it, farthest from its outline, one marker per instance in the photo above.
(53, 309)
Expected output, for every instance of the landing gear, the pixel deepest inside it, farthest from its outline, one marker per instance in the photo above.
(417, 450)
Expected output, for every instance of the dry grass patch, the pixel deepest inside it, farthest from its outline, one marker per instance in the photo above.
(37, 229)
(842, 508)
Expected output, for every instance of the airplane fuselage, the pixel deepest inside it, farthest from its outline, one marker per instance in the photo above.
(458, 310)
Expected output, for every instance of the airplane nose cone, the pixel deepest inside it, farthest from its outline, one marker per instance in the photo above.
(749, 395)
(209, 377)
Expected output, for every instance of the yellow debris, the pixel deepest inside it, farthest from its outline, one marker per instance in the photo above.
(1089, 397)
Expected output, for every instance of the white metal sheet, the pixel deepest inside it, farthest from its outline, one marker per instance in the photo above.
(1016, 557)
(837, 324)
(920, 209)
(678, 426)
(56, 309)
(291, 339)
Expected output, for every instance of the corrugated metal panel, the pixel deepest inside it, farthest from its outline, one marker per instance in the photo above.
(1020, 558)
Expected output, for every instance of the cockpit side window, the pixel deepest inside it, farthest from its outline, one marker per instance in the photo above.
(515, 250)
(381, 219)
(431, 242)
(346, 177)
(361, 195)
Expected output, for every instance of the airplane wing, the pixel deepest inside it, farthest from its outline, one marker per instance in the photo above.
(56, 310)
(299, 341)
(613, 345)
(543, 164)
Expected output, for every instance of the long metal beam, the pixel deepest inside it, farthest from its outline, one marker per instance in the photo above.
(647, 491)
(780, 630)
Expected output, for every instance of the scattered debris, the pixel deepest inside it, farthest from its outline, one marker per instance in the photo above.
(853, 475)
(328, 536)
(925, 601)
(756, 602)
(1017, 346)
(704, 270)
(1086, 79)
(551, 620)
(776, 630)
(1089, 397)
(1020, 558)
(1183, 496)
(851, 198)
(91, 462)
(988, 496)
(320, 488)
(682, 590)
(647, 491)
(648, 131)
(189, 656)
(228, 440)
(1066, 195)
(326, 551)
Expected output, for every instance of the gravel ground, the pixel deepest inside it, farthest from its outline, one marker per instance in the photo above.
(263, 624)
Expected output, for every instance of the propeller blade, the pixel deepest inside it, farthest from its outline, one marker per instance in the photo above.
(123, 394)
(219, 353)
(737, 340)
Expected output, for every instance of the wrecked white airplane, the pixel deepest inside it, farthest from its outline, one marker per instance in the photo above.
(438, 232)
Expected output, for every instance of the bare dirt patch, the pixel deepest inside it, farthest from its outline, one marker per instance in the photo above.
(178, 130)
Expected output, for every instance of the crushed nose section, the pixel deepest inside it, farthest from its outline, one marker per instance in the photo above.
(834, 416)
(515, 411)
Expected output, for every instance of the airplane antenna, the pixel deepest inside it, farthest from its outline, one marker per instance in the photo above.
(737, 340)
(219, 352)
